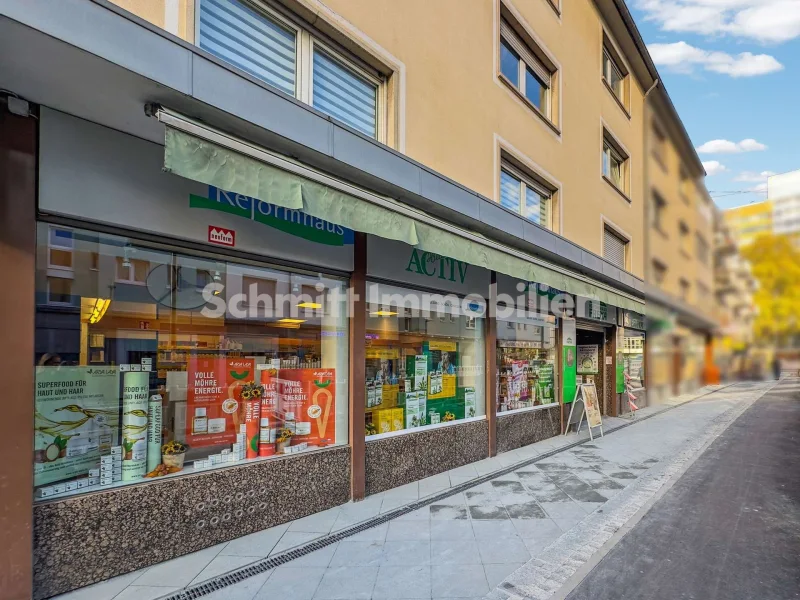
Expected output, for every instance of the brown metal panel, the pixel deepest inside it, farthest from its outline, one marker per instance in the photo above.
(491, 366)
(17, 264)
(358, 330)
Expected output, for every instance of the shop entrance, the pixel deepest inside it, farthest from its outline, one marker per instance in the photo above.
(591, 344)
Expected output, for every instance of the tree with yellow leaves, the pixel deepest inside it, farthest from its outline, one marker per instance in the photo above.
(775, 265)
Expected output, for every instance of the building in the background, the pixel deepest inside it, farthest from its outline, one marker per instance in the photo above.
(784, 193)
(747, 222)
(734, 308)
(678, 256)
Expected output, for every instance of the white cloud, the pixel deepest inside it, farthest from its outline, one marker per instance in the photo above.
(761, 188)
(766, 21)
(754, 177)
(714, 167)
(728, 147)
(683, 58)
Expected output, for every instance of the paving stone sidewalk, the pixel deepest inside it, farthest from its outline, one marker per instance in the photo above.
(532, 526)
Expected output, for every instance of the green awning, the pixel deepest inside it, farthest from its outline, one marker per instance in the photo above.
(193, 157)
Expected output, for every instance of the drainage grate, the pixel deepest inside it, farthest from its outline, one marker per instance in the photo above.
(256, 568)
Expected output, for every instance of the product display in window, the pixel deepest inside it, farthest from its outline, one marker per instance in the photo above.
(422, 368)
(633, 357)
(526, 362)
(192, 364)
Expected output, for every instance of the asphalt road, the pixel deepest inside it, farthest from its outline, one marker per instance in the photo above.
(729, 528)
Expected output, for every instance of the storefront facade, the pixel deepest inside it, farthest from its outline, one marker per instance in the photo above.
(207, 362)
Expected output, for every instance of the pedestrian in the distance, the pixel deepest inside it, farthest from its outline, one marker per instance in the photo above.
(776, 367)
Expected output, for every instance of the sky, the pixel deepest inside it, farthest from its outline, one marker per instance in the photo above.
(732, 69)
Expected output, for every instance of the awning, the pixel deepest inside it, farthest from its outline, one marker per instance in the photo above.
(196, 151)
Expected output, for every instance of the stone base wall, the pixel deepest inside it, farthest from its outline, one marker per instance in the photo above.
(395, 461)
(82, 540)
(523, 428)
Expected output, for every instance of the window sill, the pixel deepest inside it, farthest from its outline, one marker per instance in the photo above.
(555, 7)
(391, 434)
(526, 409)
(616, 98)
(616, 189)
(530, 104)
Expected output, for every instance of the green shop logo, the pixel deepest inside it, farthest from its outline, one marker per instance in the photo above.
(436, 265)
(294, 222)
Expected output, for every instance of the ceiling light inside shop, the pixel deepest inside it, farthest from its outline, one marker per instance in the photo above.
(95, 309)
(292, 321)
(314, 305)
(383, 313)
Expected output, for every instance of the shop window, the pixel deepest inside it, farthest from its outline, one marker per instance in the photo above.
(424, 362)
(526, 361)
(283, 54)
(633, 357)
(158, 380)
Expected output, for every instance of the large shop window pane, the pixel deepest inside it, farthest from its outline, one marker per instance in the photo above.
(342, 94)
(424, 364)
(633, 357)
(151, 363)
(526, 361)
(509, 191)
(248, 39)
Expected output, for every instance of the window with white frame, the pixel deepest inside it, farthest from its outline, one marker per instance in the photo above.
(615, 163)
(614, 72)
(524, 70)
(523, 194)
(659, 272)
(59, 290)
(615, 248)
(132, 270)
(659, 208)
(274, 49)
(60, 248)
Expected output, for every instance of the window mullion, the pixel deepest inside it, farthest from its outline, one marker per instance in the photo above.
(521, 68)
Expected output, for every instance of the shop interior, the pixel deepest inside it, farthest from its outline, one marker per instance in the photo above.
(592, 371)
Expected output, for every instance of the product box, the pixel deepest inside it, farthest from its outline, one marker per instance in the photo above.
(225, 452)
(116, 476)
(108, 459)
(385, 419)
(397, 419)
(59, 488)
(94, 480)
(106, 469)
(106, 481)
(116, 451)
(72, 486)
(94, 472)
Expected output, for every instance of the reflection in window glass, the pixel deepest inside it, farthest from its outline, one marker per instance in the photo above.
(526, 361)
(165, 363)
(509, 191)
(535, 90)
(509, 63)
(535, 207)
(342, 94)
(423, 367)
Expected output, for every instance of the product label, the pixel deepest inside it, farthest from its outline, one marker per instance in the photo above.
(470, 404)
(77, 415)
(154, 425)
(420, 371)
(135, 397)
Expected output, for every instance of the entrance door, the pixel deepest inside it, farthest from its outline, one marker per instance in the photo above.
(586, 337)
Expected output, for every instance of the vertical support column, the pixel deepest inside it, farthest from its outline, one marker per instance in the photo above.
(491, 365)
(358, 329)
(18, 138)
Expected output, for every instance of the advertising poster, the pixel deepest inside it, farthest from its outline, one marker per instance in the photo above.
(589, 394)
(546, 383)
(420, 371)
(135, 405)
(76, 415)
(214, 407)
(311, 395)
(470, 406)
(442, 382)
(568, 374)
(588, 360)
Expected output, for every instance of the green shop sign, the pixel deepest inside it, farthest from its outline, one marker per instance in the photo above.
(293, 222)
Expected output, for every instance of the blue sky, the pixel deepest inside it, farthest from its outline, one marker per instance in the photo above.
(732, 68)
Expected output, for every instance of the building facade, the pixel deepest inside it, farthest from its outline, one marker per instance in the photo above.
(784, 193)
(270, 257)
(748, 222)
(679, 256)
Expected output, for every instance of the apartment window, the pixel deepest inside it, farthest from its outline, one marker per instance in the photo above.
(615, 163)
(657, 216)
(683, 228)
(523, 194)
(684, 284)
(132, 271)
(703, 294)
(59, 249)
(59, 290)
(291, 59)
(686, 185)
(614, 72)
(615, 248)
(659, 146)
(702, 249)
(659, 272)
(524, 70)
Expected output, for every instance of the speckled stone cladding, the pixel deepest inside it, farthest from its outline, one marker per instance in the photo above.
(395, 461)
(523, 428)
(86, 539)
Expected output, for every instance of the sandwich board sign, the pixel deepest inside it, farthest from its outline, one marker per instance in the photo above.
(586, 394)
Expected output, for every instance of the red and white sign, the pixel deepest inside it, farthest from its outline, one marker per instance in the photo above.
(221, 236)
